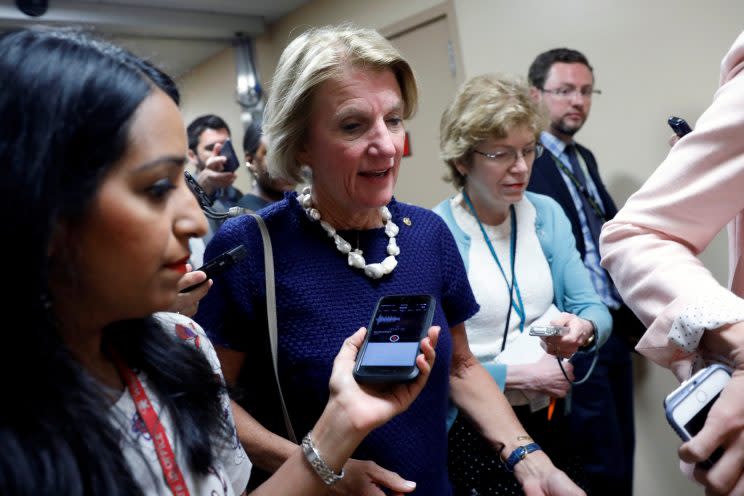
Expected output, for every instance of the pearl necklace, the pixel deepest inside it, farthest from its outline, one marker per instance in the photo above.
(354, 257)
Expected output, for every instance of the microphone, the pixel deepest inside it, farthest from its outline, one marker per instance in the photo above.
(206, 203)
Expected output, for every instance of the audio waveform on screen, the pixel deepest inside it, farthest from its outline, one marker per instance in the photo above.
(386, 319)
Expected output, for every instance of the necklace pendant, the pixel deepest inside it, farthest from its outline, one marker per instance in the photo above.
(356, 259)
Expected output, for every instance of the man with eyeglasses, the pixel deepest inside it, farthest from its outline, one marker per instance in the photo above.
(602, 408)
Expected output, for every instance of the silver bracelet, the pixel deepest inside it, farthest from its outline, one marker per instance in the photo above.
(326, 474)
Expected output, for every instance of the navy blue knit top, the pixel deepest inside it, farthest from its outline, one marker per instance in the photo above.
(320, 302)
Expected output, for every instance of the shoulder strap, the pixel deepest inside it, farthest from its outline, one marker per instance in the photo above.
(271, 317)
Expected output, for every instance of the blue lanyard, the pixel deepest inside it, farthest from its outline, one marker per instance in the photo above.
(514, 285)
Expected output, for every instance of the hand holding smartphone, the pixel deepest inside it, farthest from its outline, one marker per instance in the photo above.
(393, 339)
(687, 406)
(232, 163)
(219, 264)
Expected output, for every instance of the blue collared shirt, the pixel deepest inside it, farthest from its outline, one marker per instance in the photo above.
(600, 280)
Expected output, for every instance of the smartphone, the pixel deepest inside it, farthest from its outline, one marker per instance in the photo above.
(687, 406)
(679, 126)
(232, 163)
(393, 340)
(548, 330)
(220, 264)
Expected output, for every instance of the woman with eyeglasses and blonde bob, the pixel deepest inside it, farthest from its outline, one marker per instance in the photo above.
(525, 272)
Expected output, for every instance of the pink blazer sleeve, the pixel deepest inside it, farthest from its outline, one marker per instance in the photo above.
(650, 248)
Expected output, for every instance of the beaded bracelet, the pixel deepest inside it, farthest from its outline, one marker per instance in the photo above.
(326, 474)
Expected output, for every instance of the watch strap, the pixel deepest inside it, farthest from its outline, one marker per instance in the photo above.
(519, 454)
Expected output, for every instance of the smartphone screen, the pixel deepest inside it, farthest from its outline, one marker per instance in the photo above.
(392, 343)
(696, 423)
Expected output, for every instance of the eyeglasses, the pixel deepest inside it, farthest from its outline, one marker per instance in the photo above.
(508, 156)
(568, 92)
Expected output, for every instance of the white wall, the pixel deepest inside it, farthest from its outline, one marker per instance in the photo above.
(651, 60)
(377, 14)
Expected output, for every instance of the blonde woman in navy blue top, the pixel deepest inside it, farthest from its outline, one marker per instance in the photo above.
(337, 105)
(107, 394)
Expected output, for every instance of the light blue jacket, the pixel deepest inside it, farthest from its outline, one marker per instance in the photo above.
(572, 287)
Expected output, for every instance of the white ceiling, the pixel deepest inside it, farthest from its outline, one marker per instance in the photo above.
(176, 34)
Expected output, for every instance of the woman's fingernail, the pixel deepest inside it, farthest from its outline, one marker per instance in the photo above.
(410, 484)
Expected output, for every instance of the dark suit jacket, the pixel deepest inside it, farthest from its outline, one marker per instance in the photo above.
(547, 180)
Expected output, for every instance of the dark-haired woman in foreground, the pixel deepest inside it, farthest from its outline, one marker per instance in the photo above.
(105, 393)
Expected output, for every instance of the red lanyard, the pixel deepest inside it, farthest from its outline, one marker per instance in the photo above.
(173, 475)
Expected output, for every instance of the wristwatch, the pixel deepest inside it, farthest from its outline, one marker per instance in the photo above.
(519, 454)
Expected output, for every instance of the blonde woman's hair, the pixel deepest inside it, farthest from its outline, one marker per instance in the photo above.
(486, 106)
(312, 58)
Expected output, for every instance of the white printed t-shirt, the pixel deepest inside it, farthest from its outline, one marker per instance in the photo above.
(231, 467)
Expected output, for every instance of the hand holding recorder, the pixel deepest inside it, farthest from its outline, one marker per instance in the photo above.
(218, 265)
(566, 335)
(187, 302)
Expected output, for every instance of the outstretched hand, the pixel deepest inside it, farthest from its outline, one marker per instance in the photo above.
(723, 427)
(368, 406)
